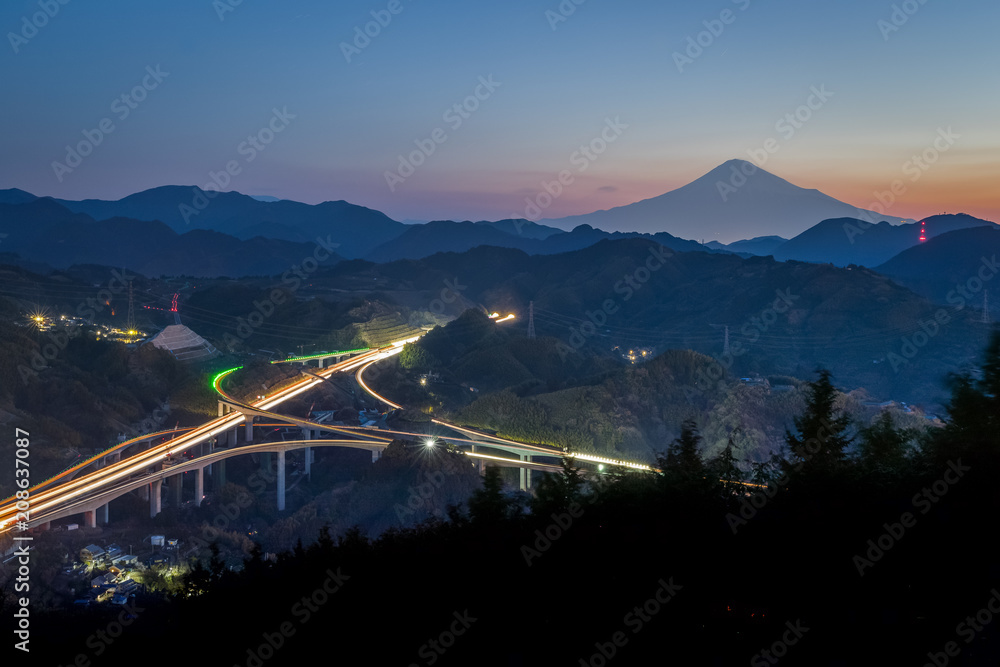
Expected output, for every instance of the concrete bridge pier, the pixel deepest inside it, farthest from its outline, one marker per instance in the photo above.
(307, 435)
(220, 475)
(281, 481)
(102, 513)
(376, 455)
(199, 486)
(479, 463)
(90, 519)
(144, 493)
(248, 434)
(154, 498)
(176, 489)
(525, 473)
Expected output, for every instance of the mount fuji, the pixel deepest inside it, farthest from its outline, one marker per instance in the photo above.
(736, 200)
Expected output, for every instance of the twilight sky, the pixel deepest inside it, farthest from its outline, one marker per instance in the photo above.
(560, 81)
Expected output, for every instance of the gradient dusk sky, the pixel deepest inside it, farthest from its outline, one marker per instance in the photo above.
(230, 66)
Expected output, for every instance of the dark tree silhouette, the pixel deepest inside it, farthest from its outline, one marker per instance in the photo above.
(973, 427)
(819, 448)
(882, 450)
(682, 466)
(724, 467)
(556, 492)
(488, 505)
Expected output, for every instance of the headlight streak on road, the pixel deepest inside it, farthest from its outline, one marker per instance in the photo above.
(615, 462)
(76, 488)
(100, 455)
(144, 456)
(539, 449)
(515, 462)
(141, 463)
(401, 343)
(217, 380)
(211, 458)
(291, 422)
(318, 356)
(383, 355)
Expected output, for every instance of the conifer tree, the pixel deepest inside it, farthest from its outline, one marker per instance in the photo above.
(488, 505)
(820, 445)
(725, 468)
(973, 426)
(556, 492)
(883, 448)
(682, 466)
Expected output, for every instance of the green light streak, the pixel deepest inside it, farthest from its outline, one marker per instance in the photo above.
(218, 378)
(317, 356)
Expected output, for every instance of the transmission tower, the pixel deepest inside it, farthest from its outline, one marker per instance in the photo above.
(725, 336)
(173, 309)
(130, 323)
(531, 319)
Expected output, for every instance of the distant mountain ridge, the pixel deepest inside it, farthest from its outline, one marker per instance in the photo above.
(360, 232)
(734, 201)
(44, 231)
(726, 204)
(15, 196)
(761, 246)
(728, 201)
(956, 268)
(184, 208)
(850, 321)
(844, 241)
(447, 236)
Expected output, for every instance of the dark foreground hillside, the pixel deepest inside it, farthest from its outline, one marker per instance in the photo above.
(884, 559)
(734, 593)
